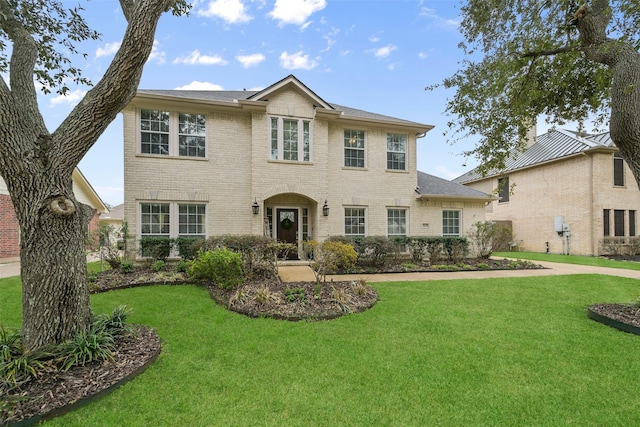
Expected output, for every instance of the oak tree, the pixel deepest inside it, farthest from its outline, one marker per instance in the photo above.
(37, 39)
(559, 59)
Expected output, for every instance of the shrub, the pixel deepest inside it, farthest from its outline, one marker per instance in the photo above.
(182, 266)
(188, 247)
(435, 249)
(613, 245)
(158, 248)
(222, 266)
(376, 250)
(486, 236)
(116, 323)
(111, 254)
(158, 265)
(88, 346)
(634, 245)
(330, 256)
(456, 248)
(126, 266)
(417, 247)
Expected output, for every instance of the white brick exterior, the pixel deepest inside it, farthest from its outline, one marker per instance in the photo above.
(237, 169)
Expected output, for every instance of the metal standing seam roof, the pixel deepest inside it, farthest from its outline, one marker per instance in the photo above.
(553, 145)
(232, 96)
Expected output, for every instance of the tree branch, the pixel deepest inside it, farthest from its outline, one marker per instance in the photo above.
(23, 59)
(549, 52)
(127, 8)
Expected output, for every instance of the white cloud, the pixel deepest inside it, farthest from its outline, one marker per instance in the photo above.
(374, 39)
(252, 60)
(231, 11)
(157, 55)
(444, 22)
(196, 58)
(330, 37)
(296, 61)
(196, 85)
(296, 11)
(108, 49)
(384, 51)
(71, 98)
(423, 55)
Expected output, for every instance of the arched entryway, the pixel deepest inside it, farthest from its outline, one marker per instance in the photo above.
(291, 218)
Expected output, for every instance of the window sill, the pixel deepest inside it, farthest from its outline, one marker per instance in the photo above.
(353, 168)
(396, 170)
(163, 156)
(290, 162)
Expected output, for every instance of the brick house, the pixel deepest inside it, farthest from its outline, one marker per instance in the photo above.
(10, 229)
(564, 191)
(280, 162)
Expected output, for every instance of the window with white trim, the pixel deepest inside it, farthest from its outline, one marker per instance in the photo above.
(355, 222)
(172, 134)
(290, 139)
(354, 148)
(173, 220)
(396, 151)
(451, 223)
(396, 222)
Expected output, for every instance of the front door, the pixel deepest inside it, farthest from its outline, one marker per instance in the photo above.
(287, 230)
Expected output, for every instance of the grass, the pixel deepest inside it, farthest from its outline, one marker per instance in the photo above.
(570, 259)
(465, 352)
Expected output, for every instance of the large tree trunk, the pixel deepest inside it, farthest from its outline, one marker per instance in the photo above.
(624, 60)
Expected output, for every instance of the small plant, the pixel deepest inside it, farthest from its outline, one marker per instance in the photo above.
(482, 266)
(360, 287)
(116, 323)
(158, 265)
(264, 295)
(85, 347)
(295, 294)
(239, 297)
(407, 266)
(342, 299)
(126, 266)
(22, 367)
(182, 266)
(316, 290)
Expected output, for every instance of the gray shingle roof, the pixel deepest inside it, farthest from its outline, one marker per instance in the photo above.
(429, 185)
(553, 145)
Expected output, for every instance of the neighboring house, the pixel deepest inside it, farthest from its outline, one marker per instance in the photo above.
(10, 229)
(279, 162)
(115, 220)
(564, 193)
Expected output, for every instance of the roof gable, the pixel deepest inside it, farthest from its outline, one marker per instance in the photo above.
(432, 186)
(287, 82)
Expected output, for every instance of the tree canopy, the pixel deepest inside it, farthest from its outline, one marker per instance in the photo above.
(560, 59)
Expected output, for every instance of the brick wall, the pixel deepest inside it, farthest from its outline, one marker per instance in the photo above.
(9, 229)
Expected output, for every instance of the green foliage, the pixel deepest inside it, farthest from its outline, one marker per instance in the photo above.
(116, 323)
(94, 344)
(182, 266)
(486, 236)
(295, 294)
(531, 63)
(188, 247)
(158, 248)
(222, 266)
(330, 256)
(126, 266)
(158, 265)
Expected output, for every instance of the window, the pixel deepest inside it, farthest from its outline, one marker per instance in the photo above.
(154, 132)
(187, 140)
(191, 220)
(396, 151)
(154, 220)
(353, 148)
(606, 222)
(290, 139)
(354, 222)
(450, 223)
(618, 170)
(618, 222)
(632, 223)
(158, 220)
(396, 222)
(503, 190)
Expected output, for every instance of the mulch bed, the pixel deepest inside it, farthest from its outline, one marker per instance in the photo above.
(623, 313)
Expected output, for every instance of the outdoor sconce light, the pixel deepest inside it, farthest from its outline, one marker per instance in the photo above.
(255, 208)
(325, 209)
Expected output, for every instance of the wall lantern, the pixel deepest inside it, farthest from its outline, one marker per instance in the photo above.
(255, 208)
(325, 209)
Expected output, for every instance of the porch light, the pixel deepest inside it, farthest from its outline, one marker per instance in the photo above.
(255, 208)
(325, 209)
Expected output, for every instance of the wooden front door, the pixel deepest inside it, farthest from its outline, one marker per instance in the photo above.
(287, 230)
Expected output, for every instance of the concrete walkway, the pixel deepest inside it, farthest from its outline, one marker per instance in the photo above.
(304, 273)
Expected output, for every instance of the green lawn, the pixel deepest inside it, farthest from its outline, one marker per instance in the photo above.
(507, 352)
(570, 259)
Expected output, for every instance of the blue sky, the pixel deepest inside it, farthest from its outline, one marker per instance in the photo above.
(375, 55)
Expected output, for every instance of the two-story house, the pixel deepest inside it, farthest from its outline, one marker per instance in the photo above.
(279, 162)
(565, 193)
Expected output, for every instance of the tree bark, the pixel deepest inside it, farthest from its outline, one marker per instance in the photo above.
(37, 167)
(624, 60)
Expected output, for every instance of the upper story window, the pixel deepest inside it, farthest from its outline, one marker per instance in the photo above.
(396, 151)
(354, 148)
(503, 189)
(172, 133)
(618, 170)
(290, 139)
